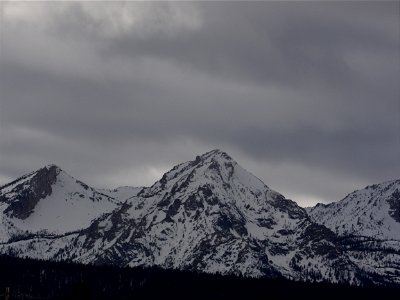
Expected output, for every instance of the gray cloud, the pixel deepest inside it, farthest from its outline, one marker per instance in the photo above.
(305, 95)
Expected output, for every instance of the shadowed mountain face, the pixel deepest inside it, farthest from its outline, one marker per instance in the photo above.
(49, 201)
(208, 215)
(28, 190)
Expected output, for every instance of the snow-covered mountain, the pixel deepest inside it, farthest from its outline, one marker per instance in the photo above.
(208, 215)
(121, 193)
(368, 223)
(371, 212)
(212, 215)
(49, 201)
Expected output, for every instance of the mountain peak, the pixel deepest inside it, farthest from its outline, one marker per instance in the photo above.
(29, 190)
(373, 211)
(52, 200)
(383, 185)
(216, 153)
(214, 168)
(214, 157)
(50, 171)
(51, 166)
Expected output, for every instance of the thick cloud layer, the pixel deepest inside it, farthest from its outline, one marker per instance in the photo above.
(303, 94)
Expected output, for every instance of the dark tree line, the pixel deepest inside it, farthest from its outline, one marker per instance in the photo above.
(34, 279)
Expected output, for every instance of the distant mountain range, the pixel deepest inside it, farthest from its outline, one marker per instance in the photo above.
(207, 215)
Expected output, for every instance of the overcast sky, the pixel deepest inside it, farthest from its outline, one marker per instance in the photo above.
(305, 95)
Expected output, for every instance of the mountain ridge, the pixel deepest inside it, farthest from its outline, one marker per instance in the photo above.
(373, 211)
(208, 215)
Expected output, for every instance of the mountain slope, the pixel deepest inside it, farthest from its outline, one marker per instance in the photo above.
(49, 201)
(371, 212)
(207, 215)
(121, 193)
(368, 224)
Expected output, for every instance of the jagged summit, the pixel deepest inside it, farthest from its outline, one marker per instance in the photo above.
(51, 166)
(50, 172)
(214, 169)
(24, 193)
(215, 154)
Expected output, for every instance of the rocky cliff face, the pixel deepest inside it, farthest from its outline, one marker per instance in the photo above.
(28, 191)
